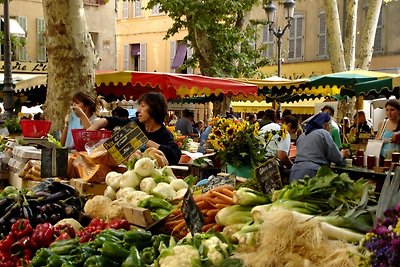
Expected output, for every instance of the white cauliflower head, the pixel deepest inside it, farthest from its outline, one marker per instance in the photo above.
(215, 248)
(97, 207)
(181, 255)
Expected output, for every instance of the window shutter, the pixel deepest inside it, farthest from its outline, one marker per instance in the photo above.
(268, 39)
(138, 8)
(125, 9)
(126, 57)
(299, 37)
(22, 50)
(378, 46)
(189, 54)
(322, 51)
(41, 40)
(172, 53)
(143, 66)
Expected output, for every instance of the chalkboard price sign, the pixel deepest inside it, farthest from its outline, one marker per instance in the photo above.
(193, 217)
(268, 176)
(123, 143)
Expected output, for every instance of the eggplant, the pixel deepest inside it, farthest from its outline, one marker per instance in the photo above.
(16, 207)
(61, 195)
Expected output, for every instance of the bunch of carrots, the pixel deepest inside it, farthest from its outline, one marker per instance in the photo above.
(209, 204)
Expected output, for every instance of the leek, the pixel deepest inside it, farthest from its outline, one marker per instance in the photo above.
(248, 197)
(235, 214)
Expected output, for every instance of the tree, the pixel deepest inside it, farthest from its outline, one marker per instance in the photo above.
(220, 33)
(71, 57)
(345, 57)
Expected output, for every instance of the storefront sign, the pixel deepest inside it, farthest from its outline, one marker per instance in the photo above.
(26, 67)
(125, 142)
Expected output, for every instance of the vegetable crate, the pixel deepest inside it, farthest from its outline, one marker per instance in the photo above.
(138, 216)
(86, 188)
(82, 136)
(35, 128)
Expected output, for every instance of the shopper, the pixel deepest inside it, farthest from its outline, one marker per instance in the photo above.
(185, 124)
(151, 114)
(388, 128)
(315, 148)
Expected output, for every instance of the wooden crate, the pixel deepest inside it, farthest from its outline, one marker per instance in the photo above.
(138, 216)
(86, 188)
(19, 183)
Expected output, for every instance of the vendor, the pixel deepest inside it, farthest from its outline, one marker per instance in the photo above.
(151, 114)
(389, 127)
(315, 148)
(81, 116)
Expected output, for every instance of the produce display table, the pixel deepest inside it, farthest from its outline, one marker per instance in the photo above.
(362, 172)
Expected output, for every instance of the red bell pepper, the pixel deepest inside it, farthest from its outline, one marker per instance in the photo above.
(6, 243)
(65, 229)
(21, 228)
(21, 244)
(43, 235)
(7, 263)
(119, 224)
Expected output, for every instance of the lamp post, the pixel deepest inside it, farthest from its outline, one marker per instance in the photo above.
(270, 10)
(8, 88)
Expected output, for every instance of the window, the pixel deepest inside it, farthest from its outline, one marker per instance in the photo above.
(125, 9)
(156, 10)
(41, 40)
(22, 50)
(143, 65)
(296, 38)
(378, 45)
(138, 8)
(322, 36)
(268, 40)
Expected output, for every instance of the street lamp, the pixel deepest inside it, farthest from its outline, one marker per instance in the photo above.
(8, 88)
(270, 9)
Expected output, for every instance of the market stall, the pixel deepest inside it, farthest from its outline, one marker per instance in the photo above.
(133, 84)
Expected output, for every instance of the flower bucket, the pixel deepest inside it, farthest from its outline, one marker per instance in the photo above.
(244, 171)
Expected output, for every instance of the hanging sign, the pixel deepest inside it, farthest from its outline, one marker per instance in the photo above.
(125, 142)
(268, 176)
(193, 217)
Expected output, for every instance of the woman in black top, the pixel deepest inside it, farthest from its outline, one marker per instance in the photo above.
(151, 114)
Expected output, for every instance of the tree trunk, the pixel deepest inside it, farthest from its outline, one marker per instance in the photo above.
(71, 57)
(350, 33)
(334, 36)
(365, 52)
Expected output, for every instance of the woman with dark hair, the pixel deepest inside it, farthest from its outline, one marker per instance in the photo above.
(151, 114)
(315, 148)
(81, 116)
(388, 128)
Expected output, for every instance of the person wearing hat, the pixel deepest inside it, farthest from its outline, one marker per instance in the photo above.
(316, 148)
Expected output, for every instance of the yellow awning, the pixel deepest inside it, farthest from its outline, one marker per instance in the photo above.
(301, 107)
(28, 84)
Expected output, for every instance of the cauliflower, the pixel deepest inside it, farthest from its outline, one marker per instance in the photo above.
(178, 184)
(115, 212)
(182, 256)
(147, 185)
(113, 179)
(97, 207)
(124, 193)
(215, 250)
(164, 191)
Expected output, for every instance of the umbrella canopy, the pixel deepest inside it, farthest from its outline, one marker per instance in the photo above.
(133, 84)
(354, 82)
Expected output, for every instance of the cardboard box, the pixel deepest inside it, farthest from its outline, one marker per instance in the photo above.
(138, 216)
(86, 188)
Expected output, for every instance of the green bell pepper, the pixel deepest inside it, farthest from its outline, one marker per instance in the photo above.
(104, 237)
(148, 255)
(40, 258)
(55, 261)
(64, 247)
(133, 260)
(100, 261)
(138, 238)
(114, 251)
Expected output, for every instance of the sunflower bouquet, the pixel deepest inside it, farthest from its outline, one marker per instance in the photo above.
(237, 142)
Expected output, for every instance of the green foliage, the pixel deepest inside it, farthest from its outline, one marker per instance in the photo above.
(12, 125)
(218, 35)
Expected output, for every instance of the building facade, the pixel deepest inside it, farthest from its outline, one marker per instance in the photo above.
(29, 15)
(141, 44)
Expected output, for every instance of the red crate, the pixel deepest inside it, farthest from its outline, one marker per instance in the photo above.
(81, 137)
(35, 128)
